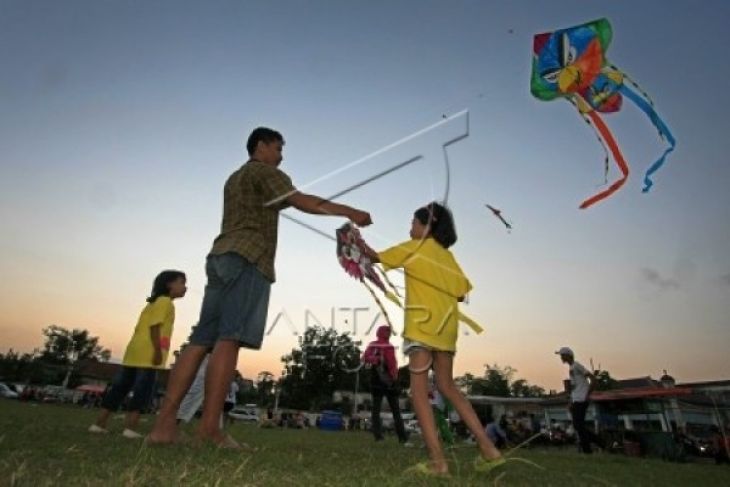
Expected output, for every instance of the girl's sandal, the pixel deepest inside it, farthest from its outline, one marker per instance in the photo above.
(424, 468)
(484, 465)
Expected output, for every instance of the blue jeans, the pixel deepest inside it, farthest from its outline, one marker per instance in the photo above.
(235, 303)
(136, 379)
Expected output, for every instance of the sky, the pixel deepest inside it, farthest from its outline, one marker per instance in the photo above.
(121, 120)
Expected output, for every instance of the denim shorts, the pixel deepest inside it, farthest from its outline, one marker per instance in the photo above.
(138, 380)
(235, 303)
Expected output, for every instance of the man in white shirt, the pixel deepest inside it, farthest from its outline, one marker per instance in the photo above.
(582, 383)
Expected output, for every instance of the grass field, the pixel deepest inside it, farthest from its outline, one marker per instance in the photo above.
(49, 445)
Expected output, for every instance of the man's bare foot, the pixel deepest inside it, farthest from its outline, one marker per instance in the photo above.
(163, 432)
(440, 467)
(222, 440)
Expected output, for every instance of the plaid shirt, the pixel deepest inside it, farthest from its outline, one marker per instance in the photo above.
(250, 226)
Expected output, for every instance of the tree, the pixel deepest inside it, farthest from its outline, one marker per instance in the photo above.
(497, 381)
(466, 383)
(604, 381)
(325, 361)
(64, 347)
(15, 367)
(521, 388)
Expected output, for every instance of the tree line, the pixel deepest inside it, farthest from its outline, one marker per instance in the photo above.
(324, 361)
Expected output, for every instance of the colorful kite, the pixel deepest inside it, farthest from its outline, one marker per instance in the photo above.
(352, 258)
(571, 63)
(356, 263)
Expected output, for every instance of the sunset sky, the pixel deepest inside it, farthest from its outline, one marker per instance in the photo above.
(121, 120)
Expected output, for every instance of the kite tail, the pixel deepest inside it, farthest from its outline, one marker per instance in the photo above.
(387, 281)
(393, 299)
(633, 83)
(618, 157)
(380, 304)
(664, 132)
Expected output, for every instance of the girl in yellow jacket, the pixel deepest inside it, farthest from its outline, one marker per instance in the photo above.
(435, 284)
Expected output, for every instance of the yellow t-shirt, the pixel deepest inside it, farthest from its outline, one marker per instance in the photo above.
(434, 282)
(140, 351)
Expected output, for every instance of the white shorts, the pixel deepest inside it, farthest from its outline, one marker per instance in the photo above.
(410, 346)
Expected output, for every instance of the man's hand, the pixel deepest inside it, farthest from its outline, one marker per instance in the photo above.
(315, 205)
(361, 218)
(157, 357)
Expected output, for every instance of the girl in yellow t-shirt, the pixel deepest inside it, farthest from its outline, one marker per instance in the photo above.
(146, 353)
(435, 284)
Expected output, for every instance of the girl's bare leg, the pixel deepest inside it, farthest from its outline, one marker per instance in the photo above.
(103, 419)
(443, 364)
(419, 360)
(132, 420)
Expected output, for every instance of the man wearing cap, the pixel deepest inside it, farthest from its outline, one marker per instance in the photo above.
(582, 383)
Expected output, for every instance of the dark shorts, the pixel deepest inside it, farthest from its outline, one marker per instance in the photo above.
(235, 303)
(227, 406)
(138, 380)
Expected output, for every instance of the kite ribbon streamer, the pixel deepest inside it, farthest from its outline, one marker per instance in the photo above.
(379, 303)
(660, 126)
(618, 157)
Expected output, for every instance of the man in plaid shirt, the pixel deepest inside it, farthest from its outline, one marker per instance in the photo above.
(240, 271)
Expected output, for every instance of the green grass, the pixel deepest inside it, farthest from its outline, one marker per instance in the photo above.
(49, 445)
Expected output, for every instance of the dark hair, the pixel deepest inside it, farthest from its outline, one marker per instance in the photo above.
(161, 286)
(441, 223)
(262, 134)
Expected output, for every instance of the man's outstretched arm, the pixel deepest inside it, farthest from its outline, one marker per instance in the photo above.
(315, 205)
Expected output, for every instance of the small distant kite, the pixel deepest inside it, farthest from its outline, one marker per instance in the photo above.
(571, 63)
(498, 214)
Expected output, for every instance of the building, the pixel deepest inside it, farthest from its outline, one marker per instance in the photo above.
(636, 404)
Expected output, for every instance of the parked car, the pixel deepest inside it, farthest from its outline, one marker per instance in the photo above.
(53, 393)
(7, 392)
(246, 413)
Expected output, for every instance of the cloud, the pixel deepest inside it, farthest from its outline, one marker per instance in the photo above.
(653, 277)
